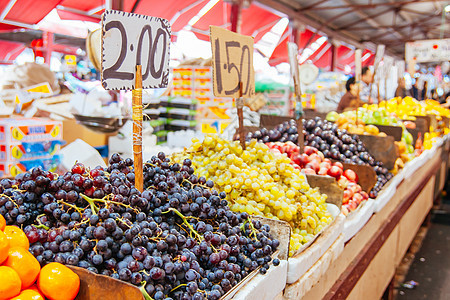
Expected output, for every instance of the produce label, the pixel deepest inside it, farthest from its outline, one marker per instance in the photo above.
(232, 56)
(128, 40)
(428, 50)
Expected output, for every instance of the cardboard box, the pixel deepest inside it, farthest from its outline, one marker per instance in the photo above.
(72, 131)
(12, 168)
(20, 130)
(29, 151)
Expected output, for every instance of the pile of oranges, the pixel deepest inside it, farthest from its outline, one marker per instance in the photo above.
(21, 276)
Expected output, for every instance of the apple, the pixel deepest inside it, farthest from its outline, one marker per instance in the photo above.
(322, 171)
(325, 165)
(321, 155)
(335, 172)
(327, 160)
(364, 195)
(309, 171)
(310, 150)
(348, 193)
(304, 159)
(343, 182)
(295, 157)
(347, 196)
(313, 165)
(357, 198)
(352, 205)
(339, 165)
(351, 175)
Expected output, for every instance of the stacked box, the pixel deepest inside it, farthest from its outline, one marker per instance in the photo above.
(196, 83)
(278, 102)
(27, 143)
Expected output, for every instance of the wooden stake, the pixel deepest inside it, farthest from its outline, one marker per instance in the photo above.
(299, 115)
(378, 93)
(240, 106)
(385, 92)
(137, 130)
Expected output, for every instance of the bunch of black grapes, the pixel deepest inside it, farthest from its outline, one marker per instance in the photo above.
(177, 239)
(334, 143)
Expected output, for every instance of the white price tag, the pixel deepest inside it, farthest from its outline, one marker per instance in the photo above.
(128, 40)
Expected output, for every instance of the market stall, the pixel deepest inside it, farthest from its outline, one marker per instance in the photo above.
(131, 174)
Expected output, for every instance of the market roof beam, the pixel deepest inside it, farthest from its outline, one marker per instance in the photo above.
(371, 21)
(326, 27)
(7, 9)
(373, 5)
(418, 23)
(323, 25)
(77, 11)
(365, 18)
(314, 5)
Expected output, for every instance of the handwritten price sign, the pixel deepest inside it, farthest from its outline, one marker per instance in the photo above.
(128, 40)
(232, 56)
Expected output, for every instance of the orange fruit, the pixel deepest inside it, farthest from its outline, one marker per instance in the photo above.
(58, 282)
(4, 247)
(35, 288)
(2, 223)
(29, 295)
(16, 237)
(25, 264)
(11, 283)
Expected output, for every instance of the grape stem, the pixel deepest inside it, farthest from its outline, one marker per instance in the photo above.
(41, 226)
(187, 223)
(94, 208)
(40, 223)
(144, 292)
(180, 285)
(250, 223)
(10, 199)
(71, 205)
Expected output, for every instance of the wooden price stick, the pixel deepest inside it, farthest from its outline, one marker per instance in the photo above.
(298, 114)
(378, 56)
(358, 68)
(389, 61)
(135, 35)
(385, 93)
(137, 130)
(240, 113)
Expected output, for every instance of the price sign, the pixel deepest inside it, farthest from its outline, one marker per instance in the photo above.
(128, 40)
(232, 56)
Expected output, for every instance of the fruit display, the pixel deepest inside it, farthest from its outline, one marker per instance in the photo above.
(177, 239)
(365, 122)
(406, 107)
(312, 161)
(377, 115)
(260, 182)
(332, 142)
(21, 274)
